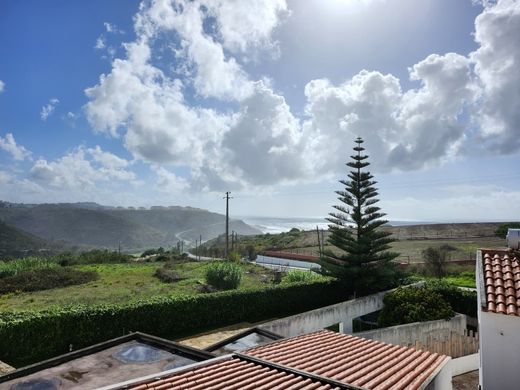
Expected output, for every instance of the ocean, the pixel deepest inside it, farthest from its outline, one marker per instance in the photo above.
(280, 225)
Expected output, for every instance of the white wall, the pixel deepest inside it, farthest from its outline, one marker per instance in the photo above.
(465, 364)
(499, 351)
(342, 313)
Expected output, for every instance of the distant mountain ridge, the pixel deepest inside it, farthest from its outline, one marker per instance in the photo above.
(93, 225)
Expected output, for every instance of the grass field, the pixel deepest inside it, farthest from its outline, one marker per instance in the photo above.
(119, 283)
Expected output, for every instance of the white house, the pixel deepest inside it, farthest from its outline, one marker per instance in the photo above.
(498, 284)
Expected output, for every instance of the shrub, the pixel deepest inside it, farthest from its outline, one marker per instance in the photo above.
(234, 256)
(435, 261)
(14, 267)
(23, 342)
(167, 275)
(462, 301)
(45, 279)
(98, 256)
(223, 275)
(502, 229)
(413, 304)
(296, 276)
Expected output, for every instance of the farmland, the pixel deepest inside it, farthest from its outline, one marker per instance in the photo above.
(126, 282)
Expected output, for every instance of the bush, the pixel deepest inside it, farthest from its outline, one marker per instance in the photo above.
(297, 276)
(435, 261)
(462, 301)
(223, 275)
(45, 279)
(413, 304)
(234, 257)
(14, 267)
(167, 275)
(502, 229)
(23, 341)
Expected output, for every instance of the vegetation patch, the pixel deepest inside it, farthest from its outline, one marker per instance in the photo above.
(223, 275)
(413, 304)
(22, 341)
(14, 267)
(167, 275)
(45, 279)
(297, 276)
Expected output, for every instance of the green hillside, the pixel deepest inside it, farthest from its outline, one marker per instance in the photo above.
(16, 243)
(92, 225)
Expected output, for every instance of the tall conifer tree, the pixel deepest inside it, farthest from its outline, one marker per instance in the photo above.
(362, 258)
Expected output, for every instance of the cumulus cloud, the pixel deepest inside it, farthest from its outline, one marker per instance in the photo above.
(168, 181)
(247, 25)
(2, 86)
(80, 169)
(257, 140)
(48, 109)
(497, 31)
(18, 152)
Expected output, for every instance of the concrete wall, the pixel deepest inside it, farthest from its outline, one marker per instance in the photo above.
(499, 351)
(418, 331)
(464, 364)
(442, 379)
(342, 313)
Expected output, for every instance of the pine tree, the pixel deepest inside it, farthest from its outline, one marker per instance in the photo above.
(363, 260)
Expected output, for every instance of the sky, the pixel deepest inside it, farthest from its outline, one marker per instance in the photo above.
(168, 102)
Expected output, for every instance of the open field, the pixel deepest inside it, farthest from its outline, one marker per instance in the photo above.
(119, 283)
(465, 239)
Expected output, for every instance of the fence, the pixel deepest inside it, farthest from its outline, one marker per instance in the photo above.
(445, 337)
(453, 344)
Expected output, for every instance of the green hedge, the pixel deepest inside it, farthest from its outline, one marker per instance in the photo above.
(462, 301)
(28, 337)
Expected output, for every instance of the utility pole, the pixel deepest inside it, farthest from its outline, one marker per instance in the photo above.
(227, 223)
(319, 243)
(200, 246)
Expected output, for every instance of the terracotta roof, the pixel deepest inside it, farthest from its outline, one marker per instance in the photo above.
(353, 360)
(235, 373)
(501, 273)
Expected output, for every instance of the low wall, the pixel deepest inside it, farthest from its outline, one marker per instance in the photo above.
(342, 313)
(418, 331)
(464, 364)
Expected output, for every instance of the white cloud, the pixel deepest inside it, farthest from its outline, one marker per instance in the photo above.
(405, 130)
(18, 152)
(100, 43)
(2, 86)
(48, 109)
(112, 28)
(247, 25)
(260, 141)
(80, 169)
(496, 65)
(168, 181)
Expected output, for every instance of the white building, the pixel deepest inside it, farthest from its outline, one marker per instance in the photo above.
(498, 284)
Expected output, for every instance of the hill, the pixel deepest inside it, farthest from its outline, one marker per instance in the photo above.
(92, 225)
(16, 243)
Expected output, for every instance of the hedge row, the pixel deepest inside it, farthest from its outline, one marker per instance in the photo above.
(29, 337)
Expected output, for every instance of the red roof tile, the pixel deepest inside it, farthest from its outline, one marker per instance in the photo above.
(353, 360)
(501, 283)
(234, 373)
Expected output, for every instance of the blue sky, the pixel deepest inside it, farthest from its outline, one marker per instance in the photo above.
(174, 102)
